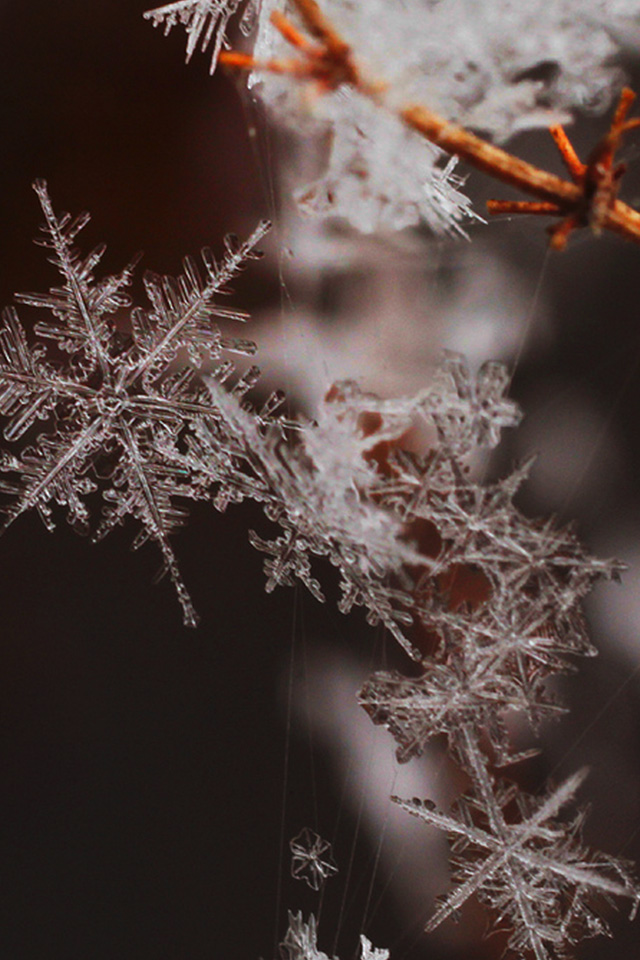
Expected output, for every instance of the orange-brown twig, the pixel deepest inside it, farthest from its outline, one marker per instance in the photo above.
(588, 200)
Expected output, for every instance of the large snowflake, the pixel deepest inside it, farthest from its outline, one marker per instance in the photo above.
(532, 869)
(113, 405)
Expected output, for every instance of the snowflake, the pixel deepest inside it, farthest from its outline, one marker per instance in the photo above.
(311, 860)
(534, 871)
(320, 484)
(113, 407)
(205, 22)
(448, 695)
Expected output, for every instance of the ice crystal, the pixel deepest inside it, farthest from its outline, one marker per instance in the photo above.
(311, 859)
(323, 484)
(301, 940)
(369, 952)
(318, 484)
(534, 871)
(113, 406)
(205, 22)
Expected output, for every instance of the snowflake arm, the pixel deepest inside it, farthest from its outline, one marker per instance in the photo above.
(183, 308)
(81, 306)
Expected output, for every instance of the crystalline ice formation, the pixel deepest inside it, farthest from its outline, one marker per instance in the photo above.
(114, 406)
(369, 952)
(311, 859)
(535, 872)
(205, 22)
(300, 942)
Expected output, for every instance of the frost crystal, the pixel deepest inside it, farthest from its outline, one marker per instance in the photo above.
(534, 871)
(311, 859)
(114, 406)
(369, 952)
(486, 601)
(300, 942)
(205, 22)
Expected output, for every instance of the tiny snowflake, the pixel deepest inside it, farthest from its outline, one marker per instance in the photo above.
(311, 859)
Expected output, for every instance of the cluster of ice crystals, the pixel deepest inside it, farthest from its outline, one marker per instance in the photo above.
(486, 601)
(205, 22)
(301, 942)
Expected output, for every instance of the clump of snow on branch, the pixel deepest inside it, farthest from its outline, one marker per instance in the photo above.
(498, 67)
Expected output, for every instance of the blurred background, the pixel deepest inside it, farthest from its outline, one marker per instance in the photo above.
(150, 776)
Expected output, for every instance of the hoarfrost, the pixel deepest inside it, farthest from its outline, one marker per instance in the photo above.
(205, 22)
(497, 67)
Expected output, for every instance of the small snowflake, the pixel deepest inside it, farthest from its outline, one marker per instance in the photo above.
(312, 860)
